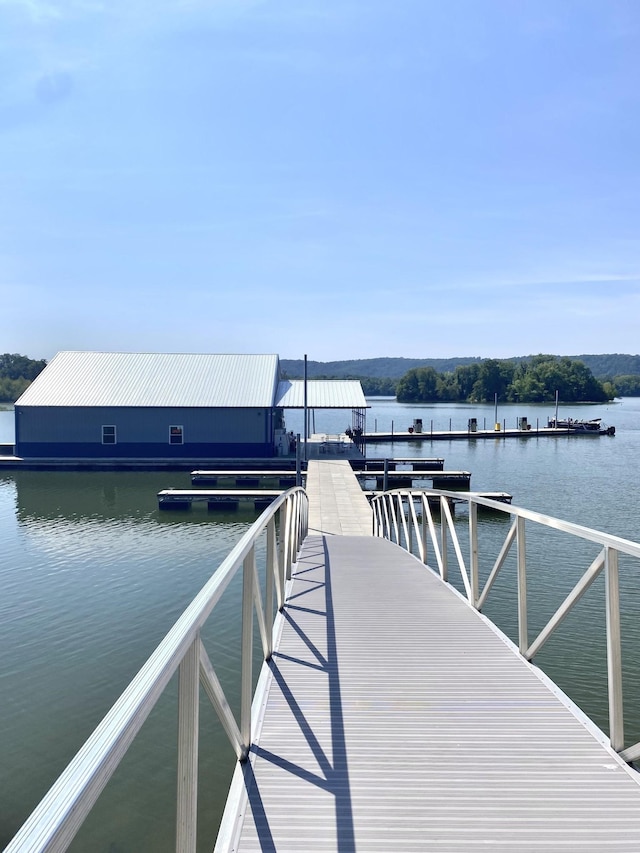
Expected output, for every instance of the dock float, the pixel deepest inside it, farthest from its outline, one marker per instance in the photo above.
(399, 479)
(216, 499)
(391, 464)
(244, 479)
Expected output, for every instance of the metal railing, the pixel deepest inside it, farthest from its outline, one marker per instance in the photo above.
(407, 517)
(56, 820)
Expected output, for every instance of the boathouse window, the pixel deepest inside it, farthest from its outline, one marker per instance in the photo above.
(109, 435)
(175, 435)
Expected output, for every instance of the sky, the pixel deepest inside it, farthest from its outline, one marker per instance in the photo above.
(337, 178)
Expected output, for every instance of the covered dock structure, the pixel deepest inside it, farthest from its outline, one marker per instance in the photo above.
(166, 406)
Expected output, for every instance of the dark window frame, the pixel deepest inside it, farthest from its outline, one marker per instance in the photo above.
(176, 434)
(109, 437)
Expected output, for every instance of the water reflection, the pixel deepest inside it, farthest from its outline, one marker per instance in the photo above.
(93, 576)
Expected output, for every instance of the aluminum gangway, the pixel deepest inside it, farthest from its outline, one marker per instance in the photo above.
(394, 716)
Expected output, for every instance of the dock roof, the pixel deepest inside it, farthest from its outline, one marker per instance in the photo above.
(155, 379)
(321, 394)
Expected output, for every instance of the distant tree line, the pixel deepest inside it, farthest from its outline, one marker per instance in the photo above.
(17, 372)
(534, 380)
(376, 386)
(372, 386)
(627, 386)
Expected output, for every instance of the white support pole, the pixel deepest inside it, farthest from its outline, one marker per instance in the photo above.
(523, 633)
(287, 540)
(614, 649)
(473, 552)
(282, 553)
(444, 572)
(188, 719)
(423, 533)
(567, 605)
(246, 677)
(214, 691)
(273, 571)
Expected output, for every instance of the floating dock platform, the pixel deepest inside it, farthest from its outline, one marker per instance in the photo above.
(216, 499)
(242, 479)
(400, 479)
(467, 434)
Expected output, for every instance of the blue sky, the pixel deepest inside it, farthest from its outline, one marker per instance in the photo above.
(342, 179)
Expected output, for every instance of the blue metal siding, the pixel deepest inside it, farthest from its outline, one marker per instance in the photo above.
(145, 451)
(71, 431)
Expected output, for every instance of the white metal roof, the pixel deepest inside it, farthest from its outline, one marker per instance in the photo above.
(321, 394)
(155, 379)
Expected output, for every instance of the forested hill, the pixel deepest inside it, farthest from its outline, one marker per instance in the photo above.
(381, 368)
(608, 366)
(602, 366)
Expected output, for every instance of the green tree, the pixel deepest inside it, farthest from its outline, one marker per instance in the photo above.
(419, 385)
(16, 374)
(494, 377)
(532, 380)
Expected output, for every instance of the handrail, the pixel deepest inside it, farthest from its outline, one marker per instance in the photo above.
(404, 530)
(60, 814)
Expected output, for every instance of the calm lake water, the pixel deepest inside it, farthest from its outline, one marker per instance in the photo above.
(92, 576)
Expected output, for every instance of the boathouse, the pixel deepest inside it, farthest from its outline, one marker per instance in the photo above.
(120, 405)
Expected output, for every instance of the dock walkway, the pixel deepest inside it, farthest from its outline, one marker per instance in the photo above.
(461, 434)
(393, 716)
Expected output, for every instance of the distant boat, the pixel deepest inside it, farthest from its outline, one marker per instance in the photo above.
(593, 426)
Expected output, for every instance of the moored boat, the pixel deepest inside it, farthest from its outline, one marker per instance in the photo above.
(592, 426)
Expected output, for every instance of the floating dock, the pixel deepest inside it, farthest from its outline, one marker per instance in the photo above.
(401, 479)
(216, 499)
(391, 464)
(241, 479)
(462, 434)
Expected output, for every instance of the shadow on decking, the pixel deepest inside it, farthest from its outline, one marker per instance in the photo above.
(334, 772)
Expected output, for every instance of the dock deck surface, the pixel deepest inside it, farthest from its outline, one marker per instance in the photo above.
(337, 504)
(397, 718)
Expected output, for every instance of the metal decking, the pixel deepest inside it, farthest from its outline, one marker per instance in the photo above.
(393, 716)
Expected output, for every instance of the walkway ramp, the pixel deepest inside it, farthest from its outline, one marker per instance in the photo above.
(337, 504)
(396, 718)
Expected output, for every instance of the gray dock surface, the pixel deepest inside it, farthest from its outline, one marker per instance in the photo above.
(337, 504)
(397, 718)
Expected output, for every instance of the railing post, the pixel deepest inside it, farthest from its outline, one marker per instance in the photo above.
(423, 530)
(386, 526)
(394, 519)
(473, 552)
(188, 719)
(273, 571)
(246, 677)
(402, 527)
(287, 540)
(282, 551)
(614, 649)
(374, 518)
(523, 633)
(298, 527)
(443, 540)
